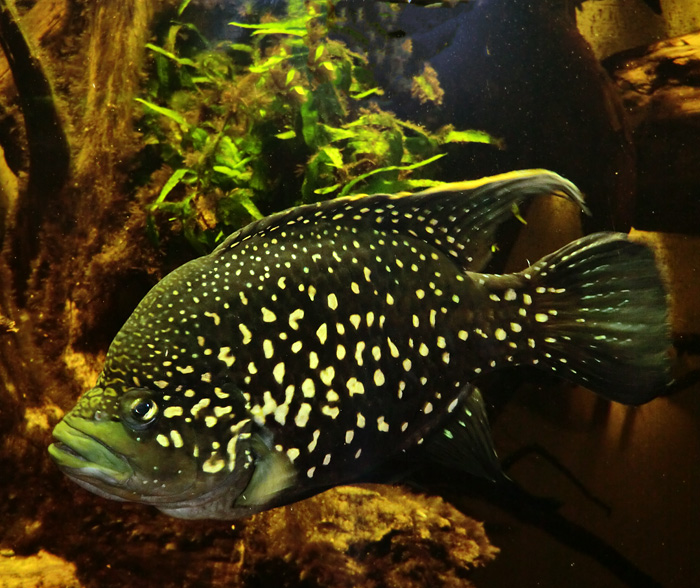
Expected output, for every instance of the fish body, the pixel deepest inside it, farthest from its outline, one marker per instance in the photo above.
(316, 345)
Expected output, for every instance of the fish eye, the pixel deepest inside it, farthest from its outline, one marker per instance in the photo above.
(139, 409)
(143, 409)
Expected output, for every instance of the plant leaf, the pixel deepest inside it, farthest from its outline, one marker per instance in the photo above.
(346, 189)
(177, 117)
(169, 55)
(286, 135)
(173, 181)
(470, 136)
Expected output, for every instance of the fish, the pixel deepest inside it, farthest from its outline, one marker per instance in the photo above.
(313, 347)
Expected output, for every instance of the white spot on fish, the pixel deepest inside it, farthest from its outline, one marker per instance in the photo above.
(247, 335)
(213, 315)
(172, 411)
(327, 375)
(268, 349)
(303, 415)
(226, 357)
(378, 378)
(332, 302)
(370, 318)
(176, 438)
(313, 360)
(308, 388)
(213, 465)
(295, 316)
(331, 411)
(359, 348)
(203, 403)
(392, 348)
(322, 333)
(354, 386)
(220, 411)
(278, 372)
(314, 441)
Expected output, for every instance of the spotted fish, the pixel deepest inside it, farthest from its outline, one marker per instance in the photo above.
(315, 346)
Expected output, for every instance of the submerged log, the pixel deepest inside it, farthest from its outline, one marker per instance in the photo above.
(660, 89)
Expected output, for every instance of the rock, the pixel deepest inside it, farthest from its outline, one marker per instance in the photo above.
(43, 569)
(365, 536)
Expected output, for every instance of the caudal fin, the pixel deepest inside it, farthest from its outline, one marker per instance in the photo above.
(599, 317)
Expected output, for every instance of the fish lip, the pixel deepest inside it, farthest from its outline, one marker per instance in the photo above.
(70, 452)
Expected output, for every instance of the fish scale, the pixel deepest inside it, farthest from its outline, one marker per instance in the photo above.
(315, 345)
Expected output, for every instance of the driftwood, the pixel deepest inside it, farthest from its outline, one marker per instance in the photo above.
(660, 89)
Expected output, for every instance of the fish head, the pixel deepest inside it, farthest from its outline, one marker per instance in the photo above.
(128, 444)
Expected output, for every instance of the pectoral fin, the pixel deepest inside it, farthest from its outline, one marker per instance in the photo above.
(273, 474)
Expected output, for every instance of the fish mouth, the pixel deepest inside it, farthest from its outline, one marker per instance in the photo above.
(86, 458)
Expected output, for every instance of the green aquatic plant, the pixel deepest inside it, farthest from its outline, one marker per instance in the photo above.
(246, 128)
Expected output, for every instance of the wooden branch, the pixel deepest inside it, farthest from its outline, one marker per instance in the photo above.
(46, 142)
(660, 90)
(660, 82)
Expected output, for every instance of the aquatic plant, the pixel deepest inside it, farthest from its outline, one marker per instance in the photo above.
(248, 127)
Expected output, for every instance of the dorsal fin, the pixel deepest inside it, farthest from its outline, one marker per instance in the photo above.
(460, 218)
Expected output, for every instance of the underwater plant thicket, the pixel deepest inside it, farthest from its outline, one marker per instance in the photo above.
(289, 116)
